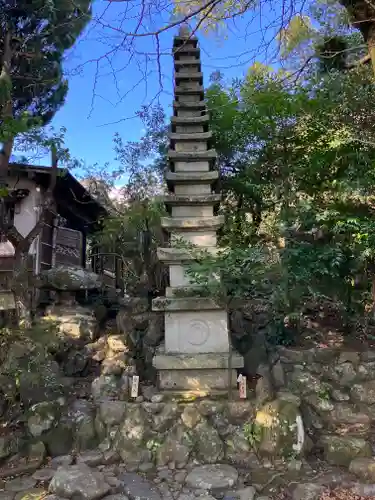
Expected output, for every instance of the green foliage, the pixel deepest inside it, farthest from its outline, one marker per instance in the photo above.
(40, 34)
(298, 164)
(253, 433)
(133, 229)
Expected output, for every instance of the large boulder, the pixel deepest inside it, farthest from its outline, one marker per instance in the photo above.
(341, 450)
(37, 374)
(278, 430)
(82, 414)
(69, 278)
(42, 417)
(364, 468)
(79, 482)
(175, 448)
(131, 436)
(216, 478)
(209, 448)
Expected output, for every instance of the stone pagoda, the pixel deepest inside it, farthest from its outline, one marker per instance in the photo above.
(195, 356)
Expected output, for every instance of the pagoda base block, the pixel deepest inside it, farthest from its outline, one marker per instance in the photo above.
(197, 375)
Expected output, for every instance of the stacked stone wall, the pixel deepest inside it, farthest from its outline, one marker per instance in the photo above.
(336, 393)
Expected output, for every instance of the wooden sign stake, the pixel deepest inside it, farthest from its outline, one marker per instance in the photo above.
(135, 386)
(242, 386)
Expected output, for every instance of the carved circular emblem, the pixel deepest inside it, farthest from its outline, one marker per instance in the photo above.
(199, 331)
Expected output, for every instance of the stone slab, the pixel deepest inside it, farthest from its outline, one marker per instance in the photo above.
(187, 49)
(209, 154)
(199, 381)
(189, 129)
(192, 177)
(188, 39)
(187, 62)
(199, 199)
(178, 255)
(208, 361)
(192, 189)
(201, 105)
(199, 211)
(190, 147)
(181, 120)
(185, 304)
(187, 290)
(178, 277)
(196, 75)
(188, 113)
(201, 331)
(200, 238)
(199, 136)
(189, 98)
(199, 89)
(192, 166)
(192, 223)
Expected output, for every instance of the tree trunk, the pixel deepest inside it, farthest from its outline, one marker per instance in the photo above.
(362, 14)
(371, 46)
(21, 288)
(7, 111)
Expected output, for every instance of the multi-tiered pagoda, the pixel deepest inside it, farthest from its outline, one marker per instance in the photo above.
(194, 358)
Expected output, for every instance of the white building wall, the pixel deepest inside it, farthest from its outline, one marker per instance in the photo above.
(26, 213)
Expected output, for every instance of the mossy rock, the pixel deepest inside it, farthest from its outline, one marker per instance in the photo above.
(341, 450)
(277, 430)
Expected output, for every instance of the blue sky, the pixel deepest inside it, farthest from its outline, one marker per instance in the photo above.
(102, 103)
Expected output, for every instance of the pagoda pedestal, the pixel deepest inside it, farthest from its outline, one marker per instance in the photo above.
(195, 356)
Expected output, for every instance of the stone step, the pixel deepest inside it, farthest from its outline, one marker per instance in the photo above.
(209, 154)
(185, 304)
(195, 136)
(188, 76)
(190, 120)
(201, 105)
(196, 177)
(192, 224)
(171, 255)
(199, 89)
(202, 199)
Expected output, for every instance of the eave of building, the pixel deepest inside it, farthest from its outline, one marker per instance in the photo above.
(74, 201)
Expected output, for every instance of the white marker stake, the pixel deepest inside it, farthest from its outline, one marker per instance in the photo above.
(242, 386)
(135, 386)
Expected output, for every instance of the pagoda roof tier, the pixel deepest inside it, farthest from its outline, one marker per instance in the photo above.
(189, 76)
(210, 154)
(192, 223)
(201, 105)
(181, 63)
(194, 199)
(187, 48)
(190, 120)
(173, 255)
(196, 177)
(194, 136)
(198, 90)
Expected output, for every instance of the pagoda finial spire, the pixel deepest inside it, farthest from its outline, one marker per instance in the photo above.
(184, 31)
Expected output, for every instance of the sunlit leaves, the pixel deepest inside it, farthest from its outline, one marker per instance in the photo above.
(295, 34)
(210, 15)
